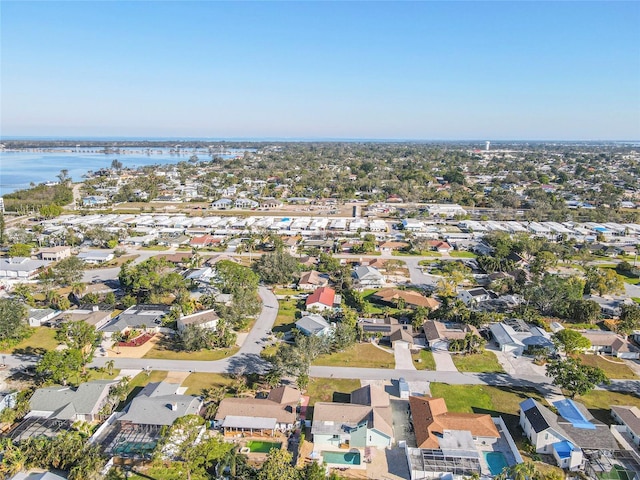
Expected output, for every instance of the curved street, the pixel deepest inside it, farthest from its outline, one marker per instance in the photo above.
(248, 359)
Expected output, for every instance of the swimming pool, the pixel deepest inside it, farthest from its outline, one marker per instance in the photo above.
(262, 447)
(342, 458)
(496, 461)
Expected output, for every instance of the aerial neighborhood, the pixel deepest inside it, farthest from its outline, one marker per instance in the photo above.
(335, 310)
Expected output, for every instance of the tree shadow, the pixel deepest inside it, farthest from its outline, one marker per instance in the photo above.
(21, 353)
(248, 363)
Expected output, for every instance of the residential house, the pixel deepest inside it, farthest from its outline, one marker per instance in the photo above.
(145, 317)
(36, 476)
(94, 201)
(452, 445)
(21, 268)
(313, 280)
(156, 406)
(206, 319)
(440, 246)
(385, 328)
(366, 277)
(409, 298)
(610, 343)
(179, 258)
(629, 418)
(364, 422)
(264, 416)
(439, 334)
(569, 435)
(39, 316)
(246, 203)
(323, 298)
(313, 324)
(516, 336)
(390, 246)
(203, 241)
(474, 296)
(65, 403)
(609, 306)
(55, 254)
(223, 204)
(93, 316)
(96, 257)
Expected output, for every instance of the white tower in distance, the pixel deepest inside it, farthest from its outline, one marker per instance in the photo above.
(488, 144)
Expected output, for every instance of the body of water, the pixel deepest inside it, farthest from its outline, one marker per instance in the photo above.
(19, 168)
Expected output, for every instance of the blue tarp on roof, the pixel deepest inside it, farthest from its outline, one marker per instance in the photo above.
(563, 449)
(601, 230)
(568, 410)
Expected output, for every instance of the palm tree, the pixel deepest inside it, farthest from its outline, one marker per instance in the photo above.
(522, 471)
(13, 459)
(109, 366)
(77, 288)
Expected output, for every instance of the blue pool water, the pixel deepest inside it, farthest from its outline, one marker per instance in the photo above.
(340, 458)
(496, 462)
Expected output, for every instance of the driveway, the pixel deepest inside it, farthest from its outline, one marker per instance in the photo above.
(444, 362)
(403, 358)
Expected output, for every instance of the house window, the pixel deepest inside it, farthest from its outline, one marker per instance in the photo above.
(546, 436)
(336, 437)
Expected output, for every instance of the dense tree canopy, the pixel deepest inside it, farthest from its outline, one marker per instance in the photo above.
(151, 280)
(571, 375)
(13, 320)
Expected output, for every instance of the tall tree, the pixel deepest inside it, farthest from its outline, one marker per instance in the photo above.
(572, 375)
(68, 271)
(570, 341)
(13, 320)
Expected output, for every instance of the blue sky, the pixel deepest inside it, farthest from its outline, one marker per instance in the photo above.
(389, 70)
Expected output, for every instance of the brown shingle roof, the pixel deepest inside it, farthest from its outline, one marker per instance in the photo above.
(431, 418)
(410, 297)
(256, 407)
(284, 395)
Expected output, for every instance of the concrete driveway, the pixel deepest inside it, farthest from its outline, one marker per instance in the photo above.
(403, 358)
(444, 362)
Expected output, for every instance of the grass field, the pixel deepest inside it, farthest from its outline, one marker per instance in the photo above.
(95, 374)
(614, 368)
(362, 355)
(42, 339)
(165, 349)
(480, 362)
(427, 362)
(462, 254)
(286, 318)
(287, 291)
(323, 389)
(196, 382)
(599, 402)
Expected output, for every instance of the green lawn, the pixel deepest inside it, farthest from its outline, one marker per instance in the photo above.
(599, 402)
(613, 367)
(286, 291)
(42, 338)
(323, 389)
(636, 299)
(196, 382)
(166, 353)
(426, 360)
(286, 315)
(462, 254)
(362, 355)
(484, 362)
(97, 374)
(159, 248)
